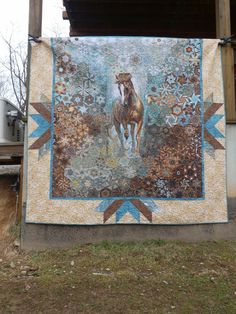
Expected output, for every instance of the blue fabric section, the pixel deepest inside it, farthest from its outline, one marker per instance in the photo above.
(128, 207)
(210, 125)
(151, 206)
(202, 121)
(52, 114)
(43, 125)
(195, 99)
(103, 205)
(209, 149)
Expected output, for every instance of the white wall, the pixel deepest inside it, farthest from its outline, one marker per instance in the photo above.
(231, 164)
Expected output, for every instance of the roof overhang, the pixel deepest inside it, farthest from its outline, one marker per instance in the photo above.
(171, 18)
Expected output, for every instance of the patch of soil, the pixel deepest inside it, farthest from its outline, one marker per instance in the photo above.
(7, 205)
(138, 277)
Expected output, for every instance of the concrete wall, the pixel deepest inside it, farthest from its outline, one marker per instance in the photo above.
(42, 236)
(45, 236)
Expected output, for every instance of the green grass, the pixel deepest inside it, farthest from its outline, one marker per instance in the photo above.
(132, 277)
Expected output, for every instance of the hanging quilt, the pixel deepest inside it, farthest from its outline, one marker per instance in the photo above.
(126, 130)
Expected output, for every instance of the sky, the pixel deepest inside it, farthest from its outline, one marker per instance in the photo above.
(14, 23)
(14, 20)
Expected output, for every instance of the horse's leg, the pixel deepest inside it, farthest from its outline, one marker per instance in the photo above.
(118, 131)
(126, 130)
(140, 124)
(132, 136)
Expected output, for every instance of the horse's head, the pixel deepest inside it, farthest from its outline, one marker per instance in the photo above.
(125, 87)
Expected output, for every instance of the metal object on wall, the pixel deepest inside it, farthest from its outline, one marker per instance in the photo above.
(11, 126)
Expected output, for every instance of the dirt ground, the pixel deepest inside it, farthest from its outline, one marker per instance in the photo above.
(134, 277)
(7, 204)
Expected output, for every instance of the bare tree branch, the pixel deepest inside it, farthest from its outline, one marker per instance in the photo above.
(15, 66)
(4, 85)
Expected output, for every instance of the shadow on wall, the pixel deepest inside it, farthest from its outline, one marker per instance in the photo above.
(231, 207)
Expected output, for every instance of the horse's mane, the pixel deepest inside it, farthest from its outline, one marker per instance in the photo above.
(131, 84)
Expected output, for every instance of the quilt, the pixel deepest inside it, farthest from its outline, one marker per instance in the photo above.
(126, 130)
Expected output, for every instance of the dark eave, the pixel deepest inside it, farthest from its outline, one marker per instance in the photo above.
(182, 18)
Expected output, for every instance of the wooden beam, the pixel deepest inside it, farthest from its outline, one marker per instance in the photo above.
(11, 149)
(138, 31)
(223, 29)
(35, 17)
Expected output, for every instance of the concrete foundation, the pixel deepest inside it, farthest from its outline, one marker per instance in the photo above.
(43, 236)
